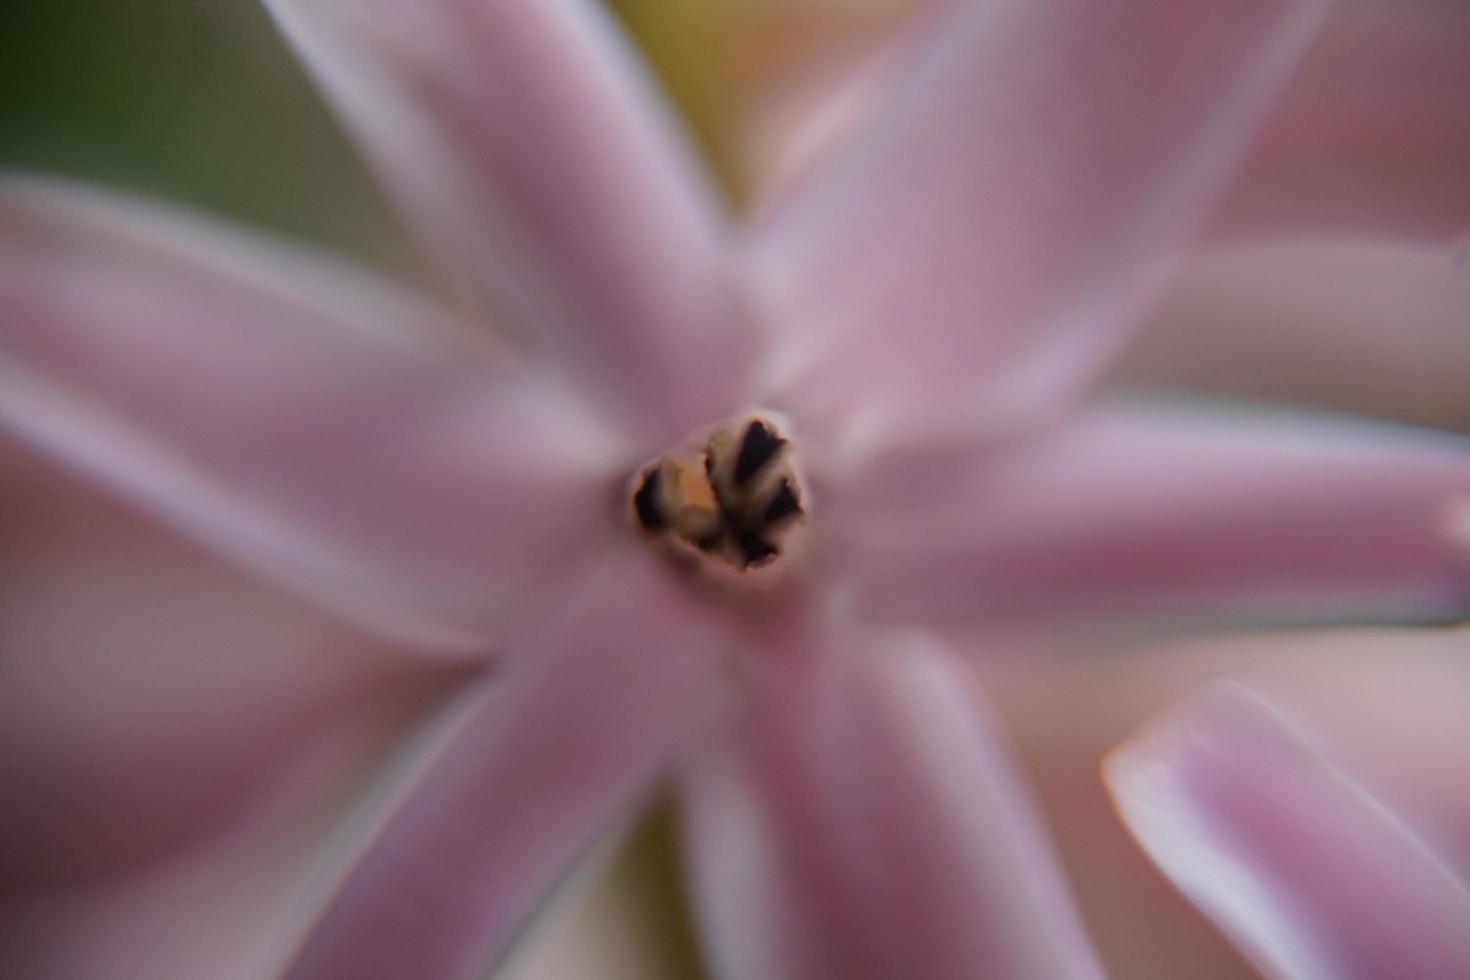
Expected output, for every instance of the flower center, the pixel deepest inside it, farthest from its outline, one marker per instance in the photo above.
(731, 499)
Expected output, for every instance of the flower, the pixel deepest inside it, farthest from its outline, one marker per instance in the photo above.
(915, 323)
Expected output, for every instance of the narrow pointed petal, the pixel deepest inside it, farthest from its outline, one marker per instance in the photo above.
(1302, 868)
(863, 822)
(307, 420)
(1191, 510)
(1359, 326)
(1373, 136)
(981, 246)
(529, 149)
(565, 743)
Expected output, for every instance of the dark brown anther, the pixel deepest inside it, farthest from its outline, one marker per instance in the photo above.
(758, 448)
(754, 549)
(648, 501)
(783, 505)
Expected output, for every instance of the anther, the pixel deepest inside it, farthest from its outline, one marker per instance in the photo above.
(754, 549)
(758, 448)
(783, 505)
(648, 501)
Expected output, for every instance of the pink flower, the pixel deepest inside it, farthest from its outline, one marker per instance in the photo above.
(916, 322)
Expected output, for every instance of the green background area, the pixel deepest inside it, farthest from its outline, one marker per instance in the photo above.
(194, 102)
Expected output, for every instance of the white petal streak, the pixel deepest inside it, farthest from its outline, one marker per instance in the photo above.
(530, 151)
(862, 822)
(314, 422)
(1302, 868)
(974, 253)
(551, 754)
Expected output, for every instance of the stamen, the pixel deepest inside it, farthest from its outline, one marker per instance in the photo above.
(734, 501)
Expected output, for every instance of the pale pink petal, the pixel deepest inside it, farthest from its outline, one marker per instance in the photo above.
(979, 247)
(1306, 871)
(308, 420)
(566, 742)
(530, 150)
(1374, 135)
(1368, 327)
(1388, 704)
(220, 909)
(861, 820)
(1184, 508)
(149, 693)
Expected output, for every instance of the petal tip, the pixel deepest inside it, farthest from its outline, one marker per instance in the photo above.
(1305, 870)
(1138, 772)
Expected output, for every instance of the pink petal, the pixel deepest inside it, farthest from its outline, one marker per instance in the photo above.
(979, 250)
(150, 695)
(1373, 136)
(1307, 873)
(220, 909)
(1363, 326)
(531, 152)
(307, 420)
(1388, 705)
(861, 821)
(1130, 509)
(567, 741)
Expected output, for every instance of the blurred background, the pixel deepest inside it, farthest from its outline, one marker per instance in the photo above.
(196, 102)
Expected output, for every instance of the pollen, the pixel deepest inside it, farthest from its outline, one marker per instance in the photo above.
(730, 498)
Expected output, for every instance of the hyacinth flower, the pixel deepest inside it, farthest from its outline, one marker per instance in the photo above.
(712, 503)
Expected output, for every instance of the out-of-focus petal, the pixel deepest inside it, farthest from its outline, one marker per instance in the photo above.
(978, 247)
(216, 910)
(149, 693)
(310, 421)
(860, 820)
(529, 149)
(565, 742)
(1136, 509)
(1387, 705)
(1373, 136)
(1362, 326)
(1306, 871)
